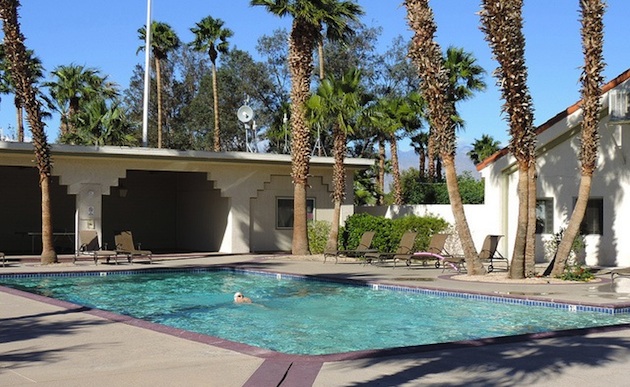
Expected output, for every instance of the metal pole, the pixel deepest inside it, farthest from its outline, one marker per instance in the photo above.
(147, 77)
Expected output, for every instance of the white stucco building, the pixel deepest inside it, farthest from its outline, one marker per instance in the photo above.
(172, 201)
(558, 143)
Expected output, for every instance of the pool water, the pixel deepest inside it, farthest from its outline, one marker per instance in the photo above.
(301, 316)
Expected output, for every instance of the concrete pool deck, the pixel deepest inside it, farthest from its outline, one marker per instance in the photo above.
(53, 344)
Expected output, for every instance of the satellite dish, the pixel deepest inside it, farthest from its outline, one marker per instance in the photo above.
(245, 114)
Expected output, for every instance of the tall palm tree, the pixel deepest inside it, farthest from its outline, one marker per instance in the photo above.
(592, 45)
(502, 23)
(23, 81)
(211, 37)
(163, 41)
(483, 148)
(338, 100)
(7, 86)
(427, 56)
(309, 18)
(73, 85)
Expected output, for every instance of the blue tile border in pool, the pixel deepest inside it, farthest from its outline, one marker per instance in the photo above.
(515, 300)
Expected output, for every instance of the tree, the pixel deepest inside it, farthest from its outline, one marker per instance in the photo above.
(396, 117)
(7, 86)
(592, 31)
(427, 56)
(483, 148)
(309, 17)
(18, 57)
(73, 85)
(502, 24)
(101, 123)
(420, 143)
(211, 37)
(163, 41)
(338, 100)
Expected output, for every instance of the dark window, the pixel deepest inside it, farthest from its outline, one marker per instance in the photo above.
(544, 216)
(284, 212)
(593, 217)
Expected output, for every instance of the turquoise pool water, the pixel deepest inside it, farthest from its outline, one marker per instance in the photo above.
(304, 317)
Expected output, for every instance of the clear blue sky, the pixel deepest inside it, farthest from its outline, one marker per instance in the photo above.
(103, 34)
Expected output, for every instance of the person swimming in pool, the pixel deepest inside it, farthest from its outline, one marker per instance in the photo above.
(239, 298)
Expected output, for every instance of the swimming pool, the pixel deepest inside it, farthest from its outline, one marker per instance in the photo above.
(297, 316)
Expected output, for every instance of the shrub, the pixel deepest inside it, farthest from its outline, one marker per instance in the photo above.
(318, 232)
(573, 271)
(389, 231)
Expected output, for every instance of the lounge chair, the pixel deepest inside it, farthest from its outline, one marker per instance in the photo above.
(436, 251)
(362, 248)
(621, 272)
(89, 246)
(489, 252)
(125, 246)
(404, 250)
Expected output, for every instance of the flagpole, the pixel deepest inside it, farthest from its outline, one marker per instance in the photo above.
(147, 77)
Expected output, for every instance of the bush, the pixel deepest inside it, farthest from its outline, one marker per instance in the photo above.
(389, 231)
(318, 232)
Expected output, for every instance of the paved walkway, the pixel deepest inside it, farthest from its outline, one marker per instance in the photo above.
(52, 343)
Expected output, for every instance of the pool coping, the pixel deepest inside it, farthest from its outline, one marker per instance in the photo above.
(311, 359)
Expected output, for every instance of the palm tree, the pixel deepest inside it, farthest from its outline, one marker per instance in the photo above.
(427, 56)
(397, 116)
(211, 37)
(309, 17)
(337, 100)
(72, 86)
(163, 41)
(100, 123)
(502, 24)
(483, 148)
(420, 143)
(7, 86)
(23, 82)
(592, 45)
(465, 77)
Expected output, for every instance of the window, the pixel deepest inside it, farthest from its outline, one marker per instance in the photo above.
(544, 216)
(593, 217)
(284, 212)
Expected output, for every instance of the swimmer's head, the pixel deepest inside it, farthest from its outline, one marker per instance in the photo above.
(237, 296)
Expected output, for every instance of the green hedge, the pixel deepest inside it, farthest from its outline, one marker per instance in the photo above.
(389, 231)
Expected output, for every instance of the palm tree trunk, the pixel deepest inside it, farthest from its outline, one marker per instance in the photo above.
(473, 263)
(517, 266)
(530, 247)
(380, 182)
(422, 164)
(573, 228)
(16, 52)
(592, 43)
(320, 56)
(158, 79)
(19, 118)
(398, 196)
(301, 45)
(431, 145)
(215, 96)
(339, 185)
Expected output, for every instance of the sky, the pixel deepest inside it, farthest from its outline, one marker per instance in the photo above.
(103, 35)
